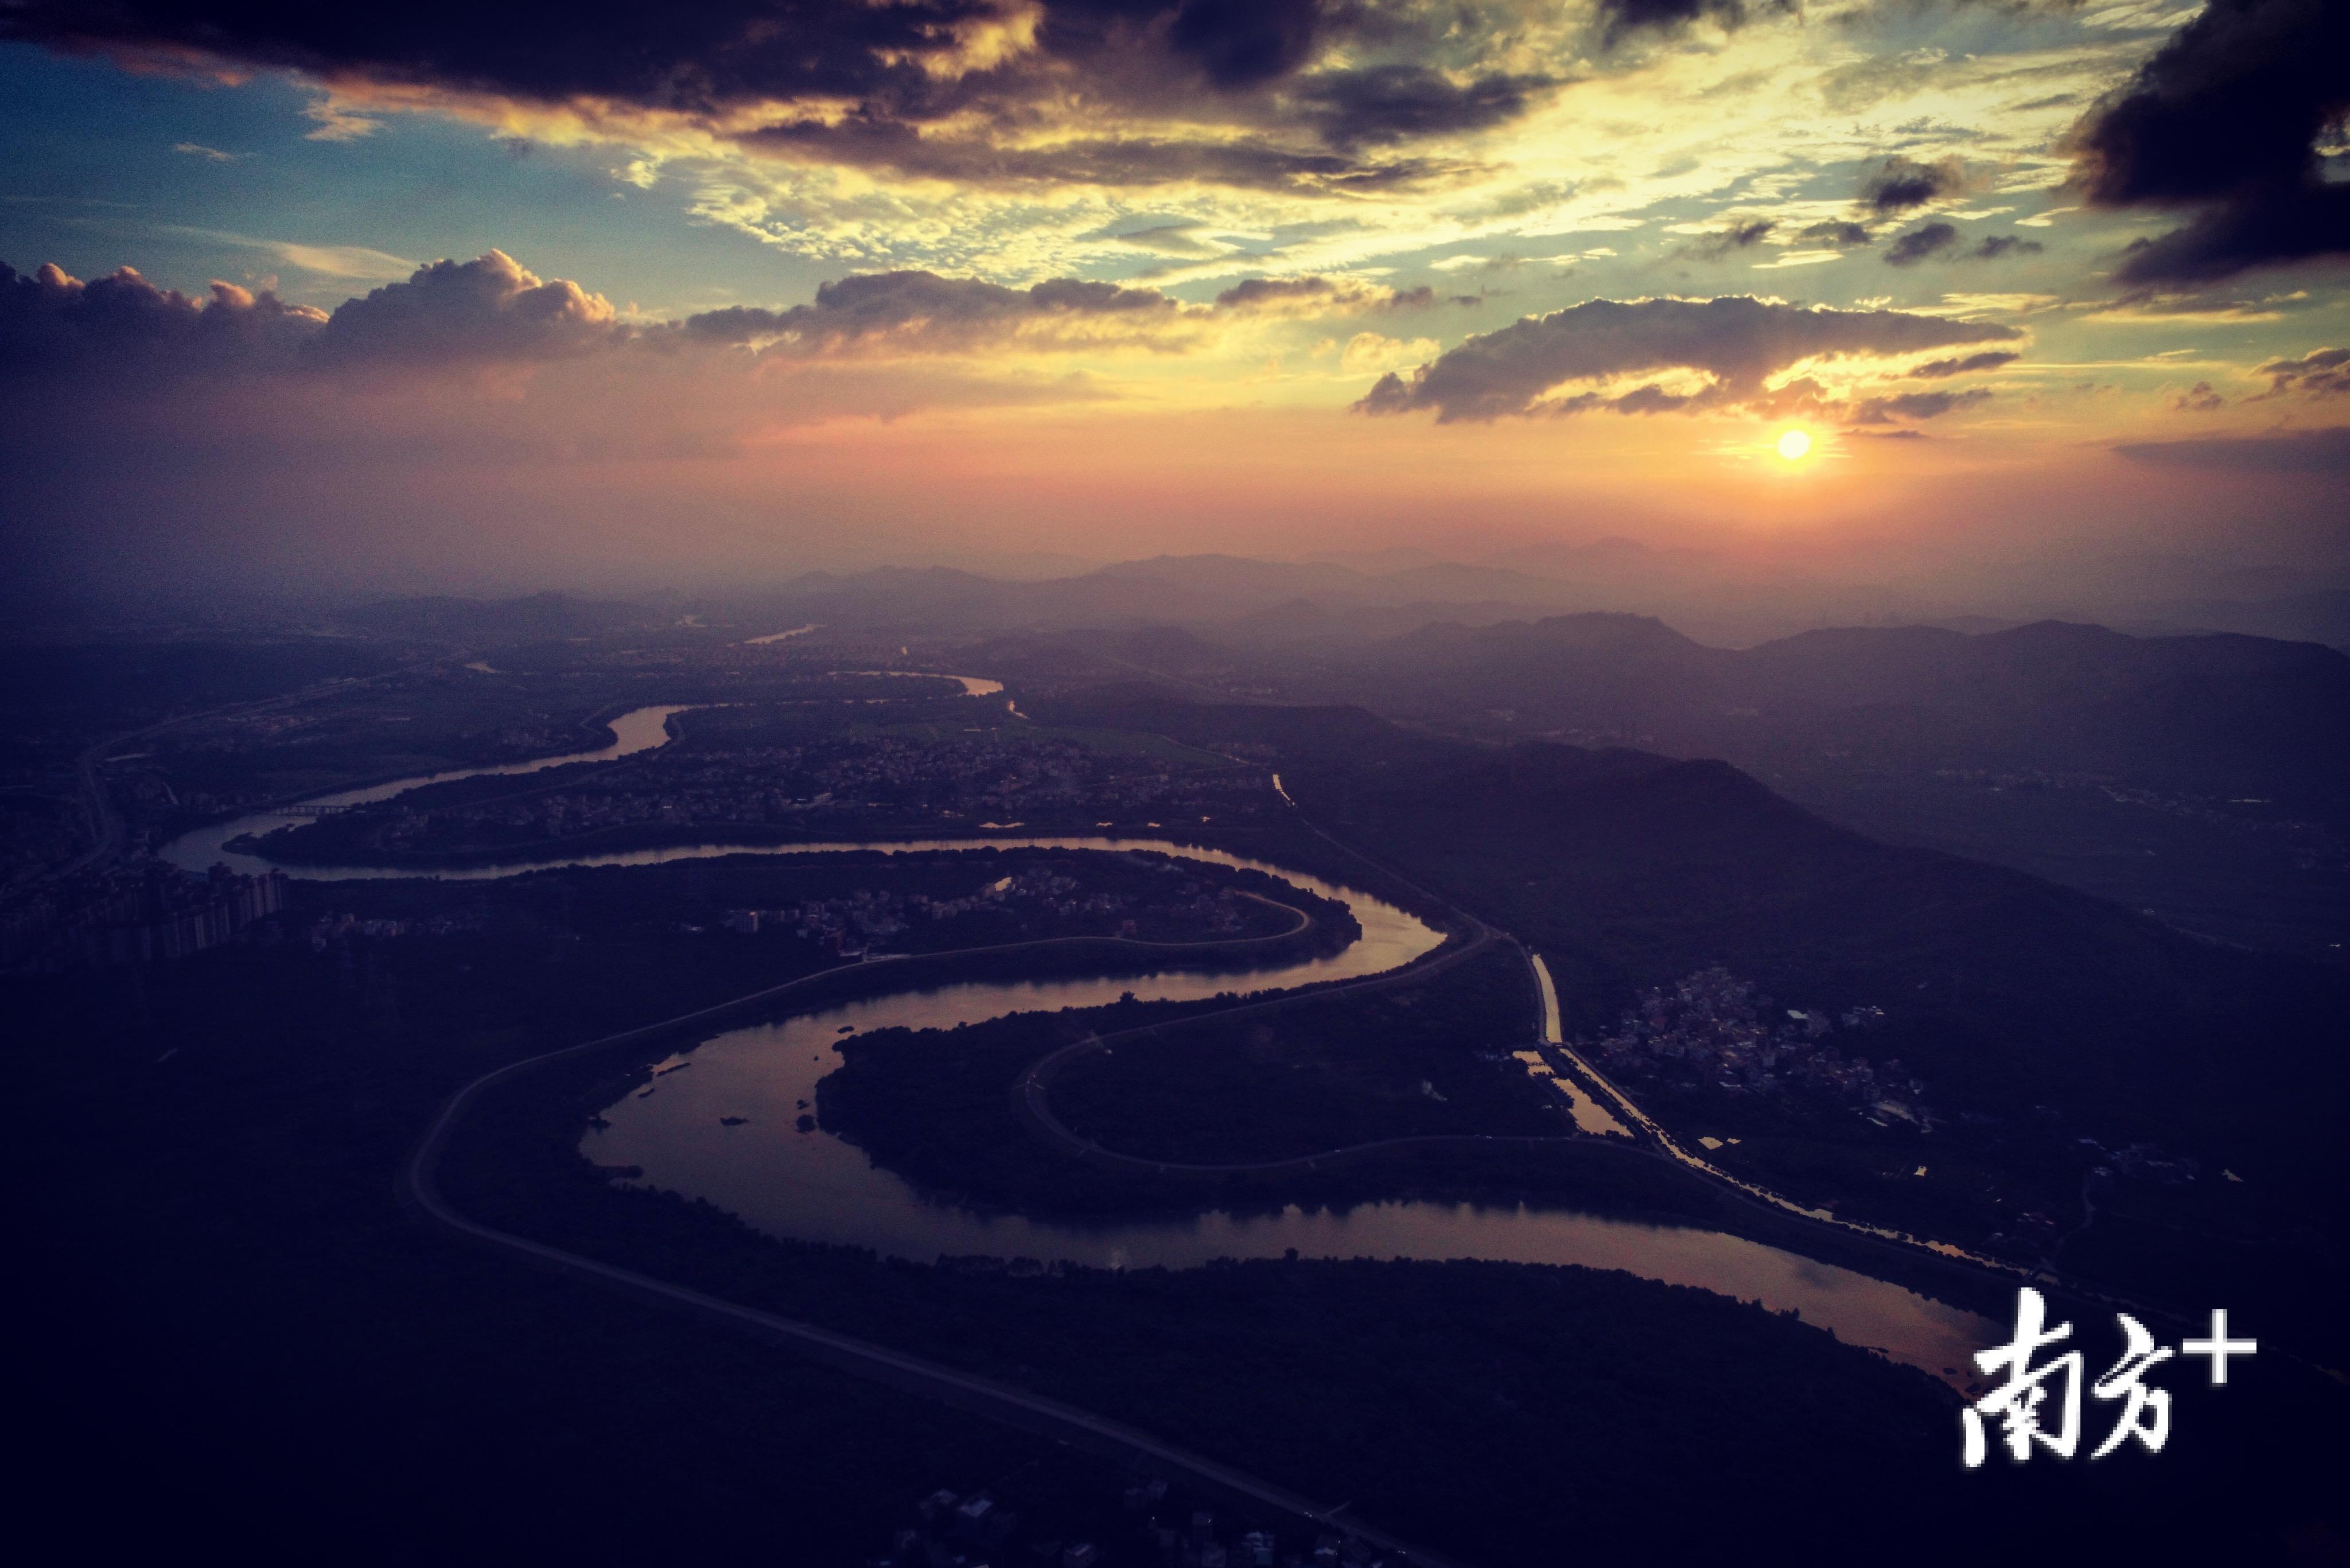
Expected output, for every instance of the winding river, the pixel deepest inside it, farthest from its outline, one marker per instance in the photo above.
(637, 730)
(814, 1186)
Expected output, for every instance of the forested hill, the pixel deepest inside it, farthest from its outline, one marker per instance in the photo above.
(2007, 992)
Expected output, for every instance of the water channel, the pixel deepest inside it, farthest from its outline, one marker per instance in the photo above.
(813, 1187)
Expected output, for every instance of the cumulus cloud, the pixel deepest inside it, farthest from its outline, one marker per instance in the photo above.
(1898, 183)
(491, 308)
(1723, 351)
(449, 313)
(2223, 123)
(55, 324)
(2320, 373)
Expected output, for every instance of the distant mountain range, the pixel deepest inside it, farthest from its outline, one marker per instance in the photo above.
(1191, 591)
(1341, 597)
(1485, 649)
(1366, 595)
(2218, 716)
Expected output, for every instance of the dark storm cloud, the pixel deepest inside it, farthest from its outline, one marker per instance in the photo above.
(1163, 83)
(1990, 361)
(2320, 373)
(1996, 245)
(1899, 183)
(2224, 122)
(1915, 246)
(1737, 342)
(1240, 43)
(2299, 452)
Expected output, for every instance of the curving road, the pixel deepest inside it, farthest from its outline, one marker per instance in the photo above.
(1032, 1095)
(420, 1192)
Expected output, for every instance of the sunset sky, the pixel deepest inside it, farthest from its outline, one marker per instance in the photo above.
(445, 297)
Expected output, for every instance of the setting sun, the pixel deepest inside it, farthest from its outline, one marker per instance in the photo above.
(1795, 445)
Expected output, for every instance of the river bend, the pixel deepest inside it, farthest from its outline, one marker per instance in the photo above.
(814, 1186)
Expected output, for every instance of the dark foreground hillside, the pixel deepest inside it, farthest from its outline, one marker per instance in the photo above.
(232, 1340)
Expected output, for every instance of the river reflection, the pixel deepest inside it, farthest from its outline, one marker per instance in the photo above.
(637, 730)
(813, 1187)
